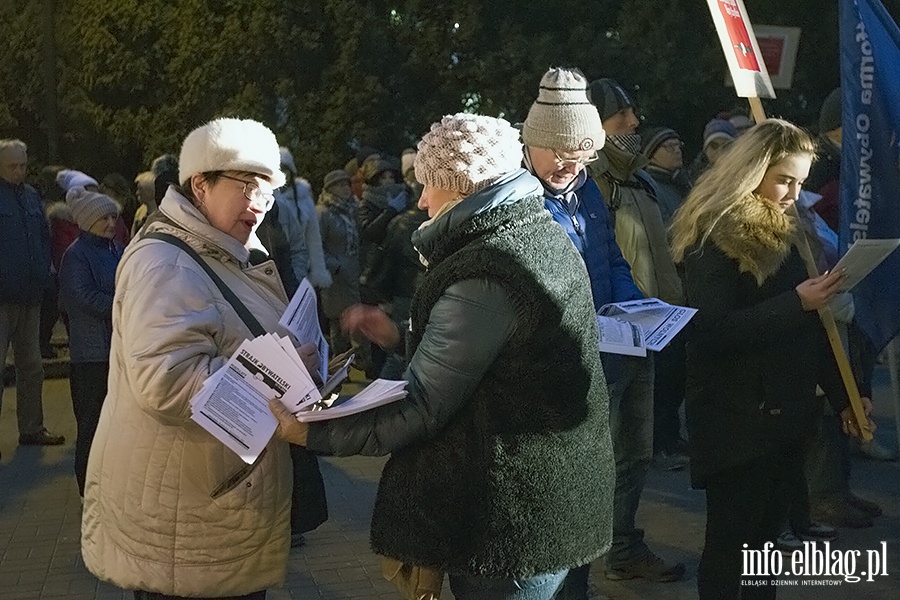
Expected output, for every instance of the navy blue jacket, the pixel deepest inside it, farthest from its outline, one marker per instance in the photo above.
(24, 245)
(595, 239)
(87, 282)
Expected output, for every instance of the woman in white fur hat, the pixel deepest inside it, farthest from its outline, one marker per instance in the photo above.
(500, 448)
(169, 511)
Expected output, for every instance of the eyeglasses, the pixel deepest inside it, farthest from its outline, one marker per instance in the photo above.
(254, 194)
(574, 162)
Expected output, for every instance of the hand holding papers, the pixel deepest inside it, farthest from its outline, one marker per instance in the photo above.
(378, 393)
(862, 258)
(636, 326)
(233, 404)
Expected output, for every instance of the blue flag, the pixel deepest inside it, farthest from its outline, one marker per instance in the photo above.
(870, 162)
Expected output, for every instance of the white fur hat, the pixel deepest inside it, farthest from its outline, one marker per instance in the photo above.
(562, 117)
(231, 145)
(466, 153)
(69, 178)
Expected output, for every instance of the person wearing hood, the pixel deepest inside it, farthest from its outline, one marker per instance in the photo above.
(563, 133)
(757, 349)
(87, 277)
(168, 509)
(300, 223)
(501, 462)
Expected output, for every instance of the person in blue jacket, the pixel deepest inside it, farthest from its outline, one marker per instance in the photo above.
(563, 134)
(87, 276)
(24, 273)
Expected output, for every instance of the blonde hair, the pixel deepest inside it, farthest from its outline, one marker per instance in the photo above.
(736, 174)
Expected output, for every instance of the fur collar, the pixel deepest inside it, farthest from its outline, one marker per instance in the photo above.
(755, 234)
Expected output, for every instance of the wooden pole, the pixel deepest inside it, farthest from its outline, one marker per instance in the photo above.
(756, 109)
(837, 347)
(834, 338)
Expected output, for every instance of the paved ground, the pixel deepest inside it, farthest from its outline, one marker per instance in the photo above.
(40, 515)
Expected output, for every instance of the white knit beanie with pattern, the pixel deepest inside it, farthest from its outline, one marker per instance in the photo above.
(89, 207)
(562, 117)
(466, 153)
(231, 145)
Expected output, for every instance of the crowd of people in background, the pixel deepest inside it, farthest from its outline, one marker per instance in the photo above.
(493, 255)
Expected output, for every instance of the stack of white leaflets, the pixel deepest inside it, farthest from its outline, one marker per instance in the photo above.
(233, 404)
(377, 393)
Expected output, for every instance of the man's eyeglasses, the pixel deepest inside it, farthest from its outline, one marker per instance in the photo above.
(574, 162)
(254, 194)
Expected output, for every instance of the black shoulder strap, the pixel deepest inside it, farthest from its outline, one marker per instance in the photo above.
(239, 307)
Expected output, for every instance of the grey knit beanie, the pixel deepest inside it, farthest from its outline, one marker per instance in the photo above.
(609, 97)
(465, 153)
(89, 207)
(562, 117)
(334, 177)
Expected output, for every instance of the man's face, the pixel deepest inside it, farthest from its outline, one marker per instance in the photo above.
(668, 155)
(623, 122)
(13, 164)
(558, 168)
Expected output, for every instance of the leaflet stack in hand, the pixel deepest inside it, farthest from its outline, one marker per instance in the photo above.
(378, 393)
(636, 326)
(233, 403)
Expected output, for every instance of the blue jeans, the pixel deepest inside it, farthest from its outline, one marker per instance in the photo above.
(476, 587)
(630, 383)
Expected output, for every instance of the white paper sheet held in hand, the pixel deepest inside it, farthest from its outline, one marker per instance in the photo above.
(378, 393)
(659, 323)
(862, 258)
(301, 318)
(233, 404)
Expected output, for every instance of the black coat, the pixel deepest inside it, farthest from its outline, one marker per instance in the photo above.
(754, 355)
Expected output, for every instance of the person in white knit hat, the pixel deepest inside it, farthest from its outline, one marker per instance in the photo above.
(87, 275)
(563, 134)
(504, 431)
(168, 509)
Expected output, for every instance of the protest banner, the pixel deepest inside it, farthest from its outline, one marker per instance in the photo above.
(870, 172)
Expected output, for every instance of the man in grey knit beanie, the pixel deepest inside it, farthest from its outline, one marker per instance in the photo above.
(563, 134)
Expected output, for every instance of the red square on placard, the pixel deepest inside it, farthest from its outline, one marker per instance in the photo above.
(772, 50)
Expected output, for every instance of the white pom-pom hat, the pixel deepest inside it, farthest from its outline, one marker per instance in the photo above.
(466, 153)
(231, 145)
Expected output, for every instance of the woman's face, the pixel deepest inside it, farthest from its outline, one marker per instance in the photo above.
(341, 189)
(433, 199)
(105, 226)
(226, 205)
(387, 178)
(783, 180)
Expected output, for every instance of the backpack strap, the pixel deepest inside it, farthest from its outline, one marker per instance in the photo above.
(240, 308)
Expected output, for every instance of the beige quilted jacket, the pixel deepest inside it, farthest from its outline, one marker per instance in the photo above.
(149, 521)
